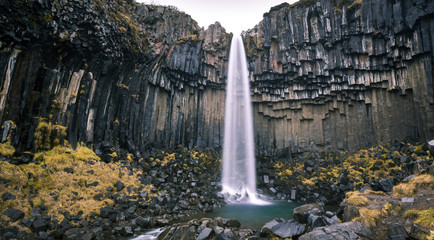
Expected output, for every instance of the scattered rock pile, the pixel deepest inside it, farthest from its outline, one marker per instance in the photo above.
(326, 177)
(184, 182)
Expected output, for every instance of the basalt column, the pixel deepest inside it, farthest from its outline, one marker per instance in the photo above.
(331, 76)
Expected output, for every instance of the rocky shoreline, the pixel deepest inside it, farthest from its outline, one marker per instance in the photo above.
(184, 182)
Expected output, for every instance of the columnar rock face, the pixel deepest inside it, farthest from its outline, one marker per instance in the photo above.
(116, 73)
(324, 75)
(330, 76)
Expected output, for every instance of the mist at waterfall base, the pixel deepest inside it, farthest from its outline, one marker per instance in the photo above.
(239, 171)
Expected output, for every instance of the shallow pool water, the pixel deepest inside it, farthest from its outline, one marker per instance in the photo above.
(253, 216)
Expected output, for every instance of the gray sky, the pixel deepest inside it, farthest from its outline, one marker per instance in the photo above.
(234, 15)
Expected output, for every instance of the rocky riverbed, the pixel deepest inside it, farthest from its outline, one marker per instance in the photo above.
(66, 193)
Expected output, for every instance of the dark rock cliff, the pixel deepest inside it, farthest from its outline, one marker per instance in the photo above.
(115, 73)
(342, 74)
(324, 74)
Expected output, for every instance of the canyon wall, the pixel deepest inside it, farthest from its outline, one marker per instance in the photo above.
(117, 74)
(329, 75)
(122, 75)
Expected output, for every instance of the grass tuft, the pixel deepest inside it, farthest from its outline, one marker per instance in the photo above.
(409, 189)
(356, 199)
(6, 149)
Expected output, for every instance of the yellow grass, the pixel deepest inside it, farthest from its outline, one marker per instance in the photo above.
(409, 189)
(356, 199)
(6, 149)
(39, 183)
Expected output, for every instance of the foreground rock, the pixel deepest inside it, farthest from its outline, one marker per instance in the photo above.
(283, 229)
(218, 228)
(344, 231)
(301, 213)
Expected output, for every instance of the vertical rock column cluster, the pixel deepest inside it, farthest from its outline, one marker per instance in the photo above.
(117, 74)
(326, 75)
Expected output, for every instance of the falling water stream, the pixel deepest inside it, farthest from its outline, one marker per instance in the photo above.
(239, 171)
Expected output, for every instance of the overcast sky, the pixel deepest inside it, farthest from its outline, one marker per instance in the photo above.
(234, 15)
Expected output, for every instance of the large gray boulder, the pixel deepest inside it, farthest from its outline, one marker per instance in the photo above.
(342, 231)
(302, 212)
(282, 228)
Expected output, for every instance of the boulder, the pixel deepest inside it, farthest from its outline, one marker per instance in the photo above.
(107, 211)
(206, 233)
(350, 212)
(386, 185)
(143, 222)
(119, 185)
(8, 196)
(14, 214)
(232, 223)
(419, 232)
(408, 200)
(74, 234)
(39, 224)
(345, 231)
(9, 232)
(302, 212)
(314, 221)
(283, 229)
(431, 147)
(396, 232)
(227, 234)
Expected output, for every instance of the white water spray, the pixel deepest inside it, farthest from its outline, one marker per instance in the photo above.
(239, 171)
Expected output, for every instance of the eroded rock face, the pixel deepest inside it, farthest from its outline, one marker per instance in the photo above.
(119, 74)
(116, 73)
(342, 77)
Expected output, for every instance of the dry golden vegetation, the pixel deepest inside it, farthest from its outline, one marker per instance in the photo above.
(378, 207)
(409, 189)
(361, 167)
(66, 179)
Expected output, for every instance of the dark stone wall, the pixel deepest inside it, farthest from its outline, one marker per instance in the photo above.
(116, 73)
(329, 76)
(324, 75)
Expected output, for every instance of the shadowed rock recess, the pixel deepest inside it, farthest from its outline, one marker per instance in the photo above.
(324, 75)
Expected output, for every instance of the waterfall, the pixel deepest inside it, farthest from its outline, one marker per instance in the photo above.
(239, 171)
